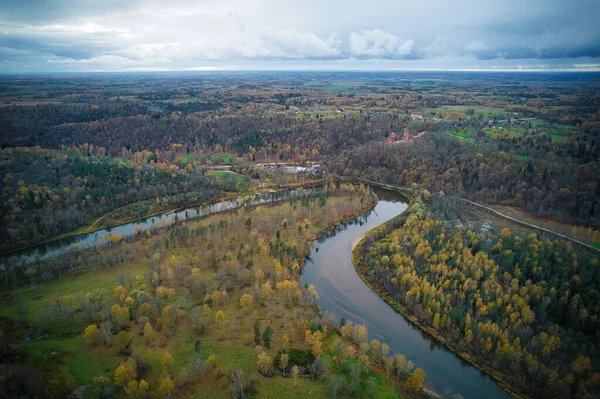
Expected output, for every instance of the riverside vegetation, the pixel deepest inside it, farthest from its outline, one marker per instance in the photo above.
(522, 306)
(205, 308)
(83, 153)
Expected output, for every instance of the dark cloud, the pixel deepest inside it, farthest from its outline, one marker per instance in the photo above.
(82, 47)
(42, 11)
(592, 51)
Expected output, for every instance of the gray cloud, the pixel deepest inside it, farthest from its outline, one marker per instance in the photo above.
(159, 34)
(593, 50)
(378, 44)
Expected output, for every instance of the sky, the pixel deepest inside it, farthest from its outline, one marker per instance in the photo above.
(182, 35)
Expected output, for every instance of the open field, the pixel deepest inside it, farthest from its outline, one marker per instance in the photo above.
(461, 135)
(225, 175)
(478, 111)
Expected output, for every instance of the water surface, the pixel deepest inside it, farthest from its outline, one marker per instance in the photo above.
(343, 293)
(77, 242)
(340, 289)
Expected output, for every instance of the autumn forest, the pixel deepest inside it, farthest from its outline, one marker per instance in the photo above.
(155, 227)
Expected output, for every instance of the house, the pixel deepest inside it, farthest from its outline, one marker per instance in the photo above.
(406, 134)
(415, 117)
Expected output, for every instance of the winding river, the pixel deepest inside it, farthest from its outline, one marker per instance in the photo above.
(343, 293)
(340, 289)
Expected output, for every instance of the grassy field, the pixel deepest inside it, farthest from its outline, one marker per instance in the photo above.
(333, 87)
(461, 135)
(226, 174)
(221, 158)
(484, 112)
(519, 132)
(556, 131)
(191, 158)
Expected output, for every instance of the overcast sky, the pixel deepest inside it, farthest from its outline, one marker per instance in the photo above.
(130, 35)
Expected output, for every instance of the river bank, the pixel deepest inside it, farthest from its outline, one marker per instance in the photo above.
(344, 294)
(375, 286)
(97, 225)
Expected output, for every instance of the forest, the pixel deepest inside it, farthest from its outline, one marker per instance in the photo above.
(50, 192)
(527, 141)
(522, 303)
(214, 306)
(560, 190)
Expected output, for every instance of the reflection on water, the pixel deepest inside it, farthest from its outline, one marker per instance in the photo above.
(342, 293)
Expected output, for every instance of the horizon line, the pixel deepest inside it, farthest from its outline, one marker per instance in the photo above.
(235, 70)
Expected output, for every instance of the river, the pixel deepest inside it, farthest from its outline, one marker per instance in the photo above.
(344, 294)
(78, 242)
(340, 289)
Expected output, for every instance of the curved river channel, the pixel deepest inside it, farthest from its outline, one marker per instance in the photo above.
(343, 293)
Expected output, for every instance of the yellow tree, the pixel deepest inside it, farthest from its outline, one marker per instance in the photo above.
(247, 303)
(219, 318)
(436, 321)
(145, 310)
(264, 363)
(388, 364)
(283, 361)
(166, 360)
(285, 342)
(374, 346)
(120, 292)
(166, 386)
(385, 349)
(120, 314)
(362, 333)
(416, 381)
(315, 340)
(399, 365)
(125, 372)
(137, 390)
(266, 291)
(259, 275)
(91, 335)
(148, 333)
(313, 292)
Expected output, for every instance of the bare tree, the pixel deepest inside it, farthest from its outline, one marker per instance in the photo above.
(106, 332)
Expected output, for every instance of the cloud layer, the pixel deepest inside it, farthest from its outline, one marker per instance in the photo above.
(56, 35)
